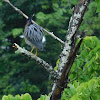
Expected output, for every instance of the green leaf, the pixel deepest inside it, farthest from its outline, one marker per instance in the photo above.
(96, 1)
(44, 97)
(5, 98)
(87, 90)
(26, 96)
(18, 97)
(75, 97)
(57, 63)
(98, 5)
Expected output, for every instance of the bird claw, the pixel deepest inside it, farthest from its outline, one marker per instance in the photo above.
(35, 55)
(31, 52)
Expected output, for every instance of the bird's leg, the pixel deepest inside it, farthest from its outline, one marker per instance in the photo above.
(32, 49)
(36, 52)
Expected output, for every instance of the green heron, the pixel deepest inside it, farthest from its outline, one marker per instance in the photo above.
(33, 35)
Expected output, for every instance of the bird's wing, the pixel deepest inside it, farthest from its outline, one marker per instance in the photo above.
(34, 33)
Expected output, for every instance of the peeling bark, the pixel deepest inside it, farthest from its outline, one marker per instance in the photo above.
(68, 54)
(74, 24)
(63, 81)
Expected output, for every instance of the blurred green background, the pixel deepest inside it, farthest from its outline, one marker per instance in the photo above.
(19, 74)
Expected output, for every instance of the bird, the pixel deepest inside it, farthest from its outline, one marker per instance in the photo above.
(34, 35)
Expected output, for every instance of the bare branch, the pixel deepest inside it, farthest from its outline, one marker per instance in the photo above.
(19, 11)
(44, 64)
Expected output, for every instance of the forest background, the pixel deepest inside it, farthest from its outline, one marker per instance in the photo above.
(18, 74)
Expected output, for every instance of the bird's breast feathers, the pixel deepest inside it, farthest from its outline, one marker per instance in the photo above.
(34, 36)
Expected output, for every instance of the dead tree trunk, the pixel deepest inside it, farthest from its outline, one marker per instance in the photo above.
(69, 52)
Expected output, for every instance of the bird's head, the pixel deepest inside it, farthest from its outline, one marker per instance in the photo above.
(29, 21)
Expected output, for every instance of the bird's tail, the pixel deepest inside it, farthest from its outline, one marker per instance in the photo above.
(44, 41)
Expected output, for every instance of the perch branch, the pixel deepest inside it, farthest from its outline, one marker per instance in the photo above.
(44, 64)
(19, 11)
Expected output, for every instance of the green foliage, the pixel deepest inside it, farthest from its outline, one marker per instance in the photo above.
(87, 60)
(16, 32)
(84, 91)
(90, 24)
(25, 96)
(44, 97)
(98, 5)
(18, 97)
(84, 73)
(19, 74)
(27, 87)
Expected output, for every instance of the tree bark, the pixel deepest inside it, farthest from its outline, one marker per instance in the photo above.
(69, 52)
(40, 61)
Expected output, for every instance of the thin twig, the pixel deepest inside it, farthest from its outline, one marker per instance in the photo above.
(81, 73)
(44, 64)
(19, 11)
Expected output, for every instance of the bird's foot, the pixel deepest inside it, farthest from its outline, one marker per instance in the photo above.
(35, 55)
(31, 52)
(32, 49)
